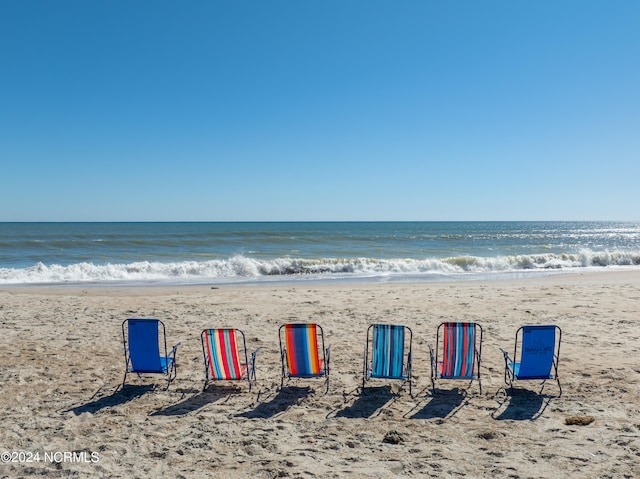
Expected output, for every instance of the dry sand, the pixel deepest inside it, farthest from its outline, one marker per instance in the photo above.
(62, 361)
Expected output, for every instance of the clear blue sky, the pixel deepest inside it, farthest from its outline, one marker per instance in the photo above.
(319, 110)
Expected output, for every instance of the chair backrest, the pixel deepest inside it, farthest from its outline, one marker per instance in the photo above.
(144, 349)
(301, 342)
(538, 351)
(388, 350)
(221, 352)
(459, 350)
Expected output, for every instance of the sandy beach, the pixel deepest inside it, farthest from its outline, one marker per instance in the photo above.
(63, 415)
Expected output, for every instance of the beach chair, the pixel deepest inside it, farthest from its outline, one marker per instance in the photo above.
(299, 352)
(143, 340)
(385, 359)
(459, 353)
(538, 355)
(224, 349)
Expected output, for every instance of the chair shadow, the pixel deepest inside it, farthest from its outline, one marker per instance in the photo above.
(443, 404)
(372, 400)
(121, 395)
(522, 405)
(213, 393)
(286, 397)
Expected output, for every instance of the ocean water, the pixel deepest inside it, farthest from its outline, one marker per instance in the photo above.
(218, 253)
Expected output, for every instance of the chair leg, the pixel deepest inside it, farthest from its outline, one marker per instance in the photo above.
(282, 356)
(250, 380)
(171, 374)
(168, 380)
(126, 368)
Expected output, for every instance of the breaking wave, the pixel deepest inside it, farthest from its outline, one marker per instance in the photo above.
(243, 268)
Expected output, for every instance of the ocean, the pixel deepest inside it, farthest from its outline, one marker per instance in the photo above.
(222, 253)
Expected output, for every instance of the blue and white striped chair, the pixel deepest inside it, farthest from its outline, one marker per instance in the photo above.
(384, 353)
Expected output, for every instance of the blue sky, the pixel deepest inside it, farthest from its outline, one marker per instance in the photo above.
(326, 110)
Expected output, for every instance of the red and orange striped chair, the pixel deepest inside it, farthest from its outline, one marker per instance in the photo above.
(225, 356)
(301, 357)
(458, 355)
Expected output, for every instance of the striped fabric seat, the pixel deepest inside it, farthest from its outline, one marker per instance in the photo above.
(388, 351)
(301, 342)
(221, 351)
(302, 357)
(225, 356)
(459, 342)
(387, 357)
(457, 355)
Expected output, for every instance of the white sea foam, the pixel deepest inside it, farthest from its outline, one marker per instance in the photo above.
(243, 268)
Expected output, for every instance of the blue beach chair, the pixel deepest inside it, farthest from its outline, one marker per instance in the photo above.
(538, 356)
(459, 354)
(142, 345)
(387, 357)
